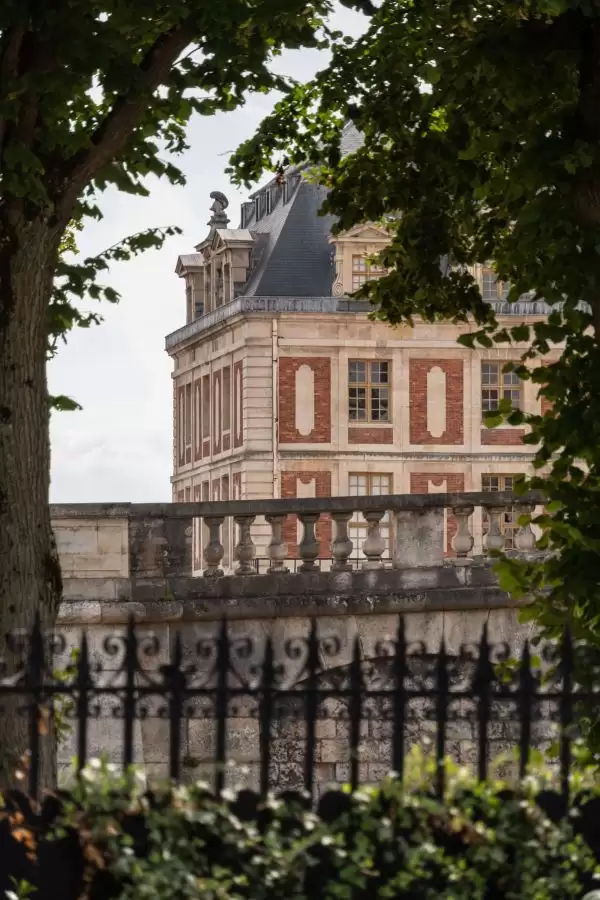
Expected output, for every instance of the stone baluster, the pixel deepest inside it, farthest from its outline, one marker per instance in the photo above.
(374, 545)
(462, 542)
(342, 546)
(277, 550)
(525, 541)
(244, 551)
(309, 545)
(214, 550)
(494, 539)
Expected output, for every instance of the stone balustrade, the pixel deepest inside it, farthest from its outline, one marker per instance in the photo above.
(366, 533)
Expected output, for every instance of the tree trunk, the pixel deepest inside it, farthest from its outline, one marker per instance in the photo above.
(30, 581)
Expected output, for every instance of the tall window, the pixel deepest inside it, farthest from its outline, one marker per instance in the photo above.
(492, 484)
(491, 288)
(368, 390)
(497, 385)
(363, 271)
(368, 484)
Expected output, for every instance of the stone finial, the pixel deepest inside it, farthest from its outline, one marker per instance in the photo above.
(219, 217)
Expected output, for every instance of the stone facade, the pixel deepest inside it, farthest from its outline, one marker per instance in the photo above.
(280, 376)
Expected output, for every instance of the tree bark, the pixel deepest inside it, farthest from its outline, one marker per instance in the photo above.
(30, 581)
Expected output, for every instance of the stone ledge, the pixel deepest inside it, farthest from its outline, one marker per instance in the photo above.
(267, 596)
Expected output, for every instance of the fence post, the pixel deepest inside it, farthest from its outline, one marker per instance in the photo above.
(441, 717)
(82, 706)
(129, 697)
(266, 715)
(356, 688)
(483, 683)
(176, 686)
(311, 707)
(526, 692)
(221, 707)
(399, 700)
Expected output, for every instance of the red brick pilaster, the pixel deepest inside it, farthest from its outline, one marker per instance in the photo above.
(454, 371)
(288, 432)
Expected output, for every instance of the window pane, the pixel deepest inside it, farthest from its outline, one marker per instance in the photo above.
(489, 284)
(489, 400)
(381, 485)
(379, 372)
(357, 371)
(359, 264)
(489, 373)
(379, 404)
(510, 378)
(357, 404)
(357, 485)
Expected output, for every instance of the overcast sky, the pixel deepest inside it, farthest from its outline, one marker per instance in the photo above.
(119, 448)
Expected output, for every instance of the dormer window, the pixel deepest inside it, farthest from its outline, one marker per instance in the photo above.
(257, 208)
(268, 199)
(285, 189)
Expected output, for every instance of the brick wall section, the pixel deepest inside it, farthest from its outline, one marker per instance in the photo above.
(499, 436)
(288, 433)
(206, 415)
(189, 423)
(546, 405)
(366, 435)
(180, 416)
(322, 481)
(454, 371)
(238, 403)
(217, 411)
(455, 481)
(197, 419)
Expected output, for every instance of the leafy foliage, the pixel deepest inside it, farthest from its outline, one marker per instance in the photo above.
(481, 124)
(98, 94)
(484, 841)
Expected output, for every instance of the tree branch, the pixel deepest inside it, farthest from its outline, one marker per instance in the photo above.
(111, 135)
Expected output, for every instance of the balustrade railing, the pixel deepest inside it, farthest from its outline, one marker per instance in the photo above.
(342, 534)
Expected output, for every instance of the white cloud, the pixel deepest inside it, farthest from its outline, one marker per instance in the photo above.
(119, 448)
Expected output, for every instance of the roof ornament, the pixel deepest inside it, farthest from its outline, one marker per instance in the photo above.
(219, 217)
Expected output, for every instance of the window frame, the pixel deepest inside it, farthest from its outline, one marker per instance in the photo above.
(501, 287)
(369, 386)
(358, 526)
(370, 271)
(509, 524)
(500, 386)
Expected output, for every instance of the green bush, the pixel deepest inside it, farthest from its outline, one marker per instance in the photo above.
(485, 842)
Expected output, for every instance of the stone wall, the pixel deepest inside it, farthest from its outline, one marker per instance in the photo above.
(123, 561)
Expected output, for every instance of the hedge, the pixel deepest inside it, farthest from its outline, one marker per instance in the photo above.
(109, 837)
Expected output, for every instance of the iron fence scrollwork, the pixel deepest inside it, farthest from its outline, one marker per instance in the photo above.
(302, 681)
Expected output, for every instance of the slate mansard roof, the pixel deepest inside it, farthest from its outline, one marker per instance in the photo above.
(292, 256)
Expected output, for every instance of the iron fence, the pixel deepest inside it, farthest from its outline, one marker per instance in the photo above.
(301, 681)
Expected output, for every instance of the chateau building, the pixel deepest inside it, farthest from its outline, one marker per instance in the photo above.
(283, 386)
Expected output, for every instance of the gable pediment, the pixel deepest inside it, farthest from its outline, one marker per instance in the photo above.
(366, 233)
